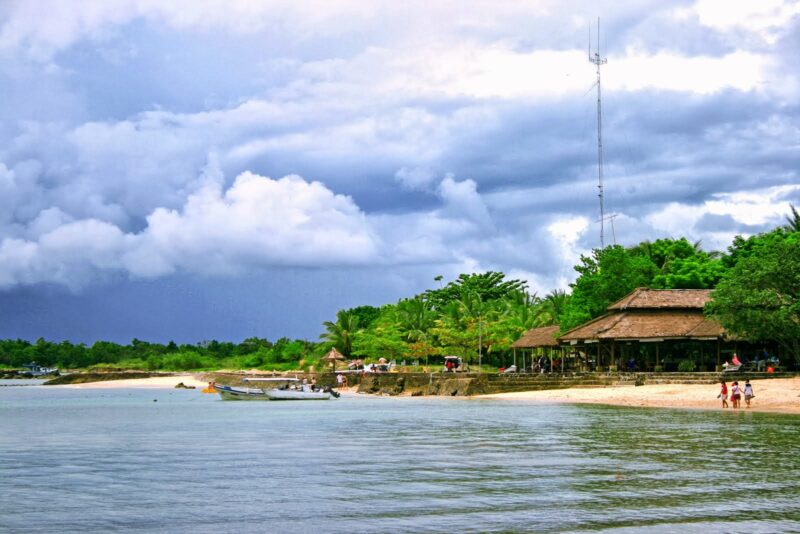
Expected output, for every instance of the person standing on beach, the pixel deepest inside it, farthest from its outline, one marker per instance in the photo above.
(339, 380)
(724, 395)
(748, 392)
(736, 394)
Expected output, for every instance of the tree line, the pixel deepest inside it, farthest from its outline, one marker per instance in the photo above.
(478, 316)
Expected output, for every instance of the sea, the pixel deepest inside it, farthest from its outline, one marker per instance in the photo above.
(163, 460)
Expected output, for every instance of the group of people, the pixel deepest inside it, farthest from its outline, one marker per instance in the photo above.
(341, 380)
(736, 394)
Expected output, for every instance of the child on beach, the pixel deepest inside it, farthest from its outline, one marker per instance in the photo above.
(748, 392)
(735, 395)
(724, 395)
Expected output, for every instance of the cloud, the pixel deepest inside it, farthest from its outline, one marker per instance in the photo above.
(137, 136)
(257, 222)
(415, 178)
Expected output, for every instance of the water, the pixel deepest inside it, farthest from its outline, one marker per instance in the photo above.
(80, 460)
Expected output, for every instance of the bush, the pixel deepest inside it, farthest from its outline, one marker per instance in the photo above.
(686, 366)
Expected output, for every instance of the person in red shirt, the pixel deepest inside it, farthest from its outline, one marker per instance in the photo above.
(724, 395)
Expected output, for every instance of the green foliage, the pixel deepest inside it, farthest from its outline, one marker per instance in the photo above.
(759, 298)
(251, 353)
(696, 272)
(605, 277)
(486, 286)
(686, 366)
(793, 221)
(365, 315)
(340, 334)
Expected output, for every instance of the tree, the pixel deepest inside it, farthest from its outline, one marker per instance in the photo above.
(518, 313)
(487, 286)
(340, 334)
(759, 298)
(552, 307)
(365, 315)
(605, 277)
(793, 221)
(415, 318)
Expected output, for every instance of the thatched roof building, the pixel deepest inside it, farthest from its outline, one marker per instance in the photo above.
(544, 336)
(651, 315)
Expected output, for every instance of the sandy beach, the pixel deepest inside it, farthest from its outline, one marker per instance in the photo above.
(780, 395)
(155, 382)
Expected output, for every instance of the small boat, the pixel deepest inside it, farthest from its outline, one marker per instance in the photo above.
(291, 390)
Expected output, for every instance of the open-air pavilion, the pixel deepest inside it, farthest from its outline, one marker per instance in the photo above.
(650, 329)
(538, 341)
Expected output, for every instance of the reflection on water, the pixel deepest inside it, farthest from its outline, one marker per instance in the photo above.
(100, 460)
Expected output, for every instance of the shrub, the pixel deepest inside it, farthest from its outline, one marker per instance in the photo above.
(686, 366)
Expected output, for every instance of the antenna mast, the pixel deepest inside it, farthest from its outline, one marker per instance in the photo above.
(597, 60)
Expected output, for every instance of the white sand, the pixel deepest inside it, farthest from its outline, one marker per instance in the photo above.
(773, 395)
(155, 382)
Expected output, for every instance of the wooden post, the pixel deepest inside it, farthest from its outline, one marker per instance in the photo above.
(599, 356)
(613, 355)
(657, 347)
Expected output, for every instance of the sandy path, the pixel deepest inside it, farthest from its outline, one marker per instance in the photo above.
(774, 395)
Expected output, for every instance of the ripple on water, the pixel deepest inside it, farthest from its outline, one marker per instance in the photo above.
(95, 462)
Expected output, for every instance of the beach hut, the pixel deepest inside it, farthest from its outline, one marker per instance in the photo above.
(332, 356)
(644, 324)
(542, 340)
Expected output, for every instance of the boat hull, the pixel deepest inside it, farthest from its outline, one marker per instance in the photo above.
(291, 394)
(248, 394)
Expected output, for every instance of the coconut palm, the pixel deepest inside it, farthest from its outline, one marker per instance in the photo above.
(552, 306)
(340, 334)
(794, 220)
(415, 318)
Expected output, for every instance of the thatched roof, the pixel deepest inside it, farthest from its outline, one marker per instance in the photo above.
(544, 336)
(643, 298)
(638, 324)
(333, 354)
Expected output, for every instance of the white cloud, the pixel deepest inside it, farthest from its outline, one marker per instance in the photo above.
(256, 222)
(415, 178)
(764, 17)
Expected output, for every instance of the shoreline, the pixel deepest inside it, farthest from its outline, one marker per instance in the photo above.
(153, 382)
(776, 395)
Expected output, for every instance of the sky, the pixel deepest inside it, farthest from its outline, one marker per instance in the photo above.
(201, 169)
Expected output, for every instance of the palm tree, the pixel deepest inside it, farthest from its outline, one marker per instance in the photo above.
(553, 307)
(794, 220)
(340, 334)
(415, 318)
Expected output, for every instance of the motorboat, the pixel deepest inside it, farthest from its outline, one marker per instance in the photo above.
(285, 389)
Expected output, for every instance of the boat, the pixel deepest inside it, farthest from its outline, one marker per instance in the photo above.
(292, 389)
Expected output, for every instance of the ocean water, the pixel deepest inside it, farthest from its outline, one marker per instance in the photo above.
(80, 460)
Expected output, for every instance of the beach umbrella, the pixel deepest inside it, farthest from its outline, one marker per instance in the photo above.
(332, 356)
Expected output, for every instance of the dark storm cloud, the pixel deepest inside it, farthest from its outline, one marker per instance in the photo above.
(142, 150)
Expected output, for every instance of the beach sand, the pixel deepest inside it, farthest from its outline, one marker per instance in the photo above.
(774, 395)
(155, 382)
